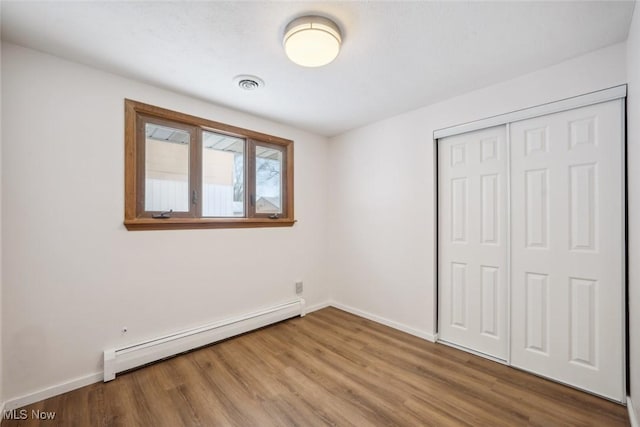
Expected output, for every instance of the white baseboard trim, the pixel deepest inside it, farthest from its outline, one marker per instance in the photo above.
(54, 390)
(379, 319)
(633, 419)
(319, 306)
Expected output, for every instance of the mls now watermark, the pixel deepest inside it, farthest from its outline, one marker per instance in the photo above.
(23, 414)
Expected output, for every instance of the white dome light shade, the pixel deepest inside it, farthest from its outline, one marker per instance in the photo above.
(312, 41)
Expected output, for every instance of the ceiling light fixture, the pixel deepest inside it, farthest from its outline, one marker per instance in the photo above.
(312, 41)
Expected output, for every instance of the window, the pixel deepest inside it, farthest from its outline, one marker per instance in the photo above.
(184, 172)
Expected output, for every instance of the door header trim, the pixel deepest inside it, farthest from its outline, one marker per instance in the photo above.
(591, 98)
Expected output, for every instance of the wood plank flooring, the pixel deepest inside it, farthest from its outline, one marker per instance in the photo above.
(328, 368)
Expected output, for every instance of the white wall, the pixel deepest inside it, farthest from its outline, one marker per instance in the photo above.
(633, 154)
(73, 276)
(382, 211)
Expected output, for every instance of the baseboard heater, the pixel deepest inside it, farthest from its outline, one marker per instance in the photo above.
(133, 356)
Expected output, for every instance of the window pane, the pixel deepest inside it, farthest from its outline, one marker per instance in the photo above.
(166, 169)
(268, 180)
(222, 175)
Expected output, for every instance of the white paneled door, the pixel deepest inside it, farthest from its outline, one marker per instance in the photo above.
(531, 249)
(567, 259)
(472, 236)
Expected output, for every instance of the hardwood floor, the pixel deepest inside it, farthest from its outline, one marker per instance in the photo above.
(328, 368)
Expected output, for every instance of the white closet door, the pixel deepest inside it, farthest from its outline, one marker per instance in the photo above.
(567, 247)
(472, 247)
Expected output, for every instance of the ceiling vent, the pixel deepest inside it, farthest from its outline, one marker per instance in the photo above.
(247, 82)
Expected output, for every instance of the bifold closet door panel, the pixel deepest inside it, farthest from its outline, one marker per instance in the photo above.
(472, 277)
(567, 258)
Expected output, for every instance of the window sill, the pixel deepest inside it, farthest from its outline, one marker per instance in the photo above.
(140, 224)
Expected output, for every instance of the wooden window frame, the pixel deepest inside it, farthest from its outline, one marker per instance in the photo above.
(251, 183)
(137, 114)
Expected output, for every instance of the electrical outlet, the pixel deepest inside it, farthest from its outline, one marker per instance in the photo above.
(299, 288)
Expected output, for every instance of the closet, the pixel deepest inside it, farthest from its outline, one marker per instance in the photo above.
(531, 240)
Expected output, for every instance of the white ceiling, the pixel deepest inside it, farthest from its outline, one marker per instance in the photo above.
(396, 56)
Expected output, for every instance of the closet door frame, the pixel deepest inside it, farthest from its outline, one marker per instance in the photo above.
(597, 97)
